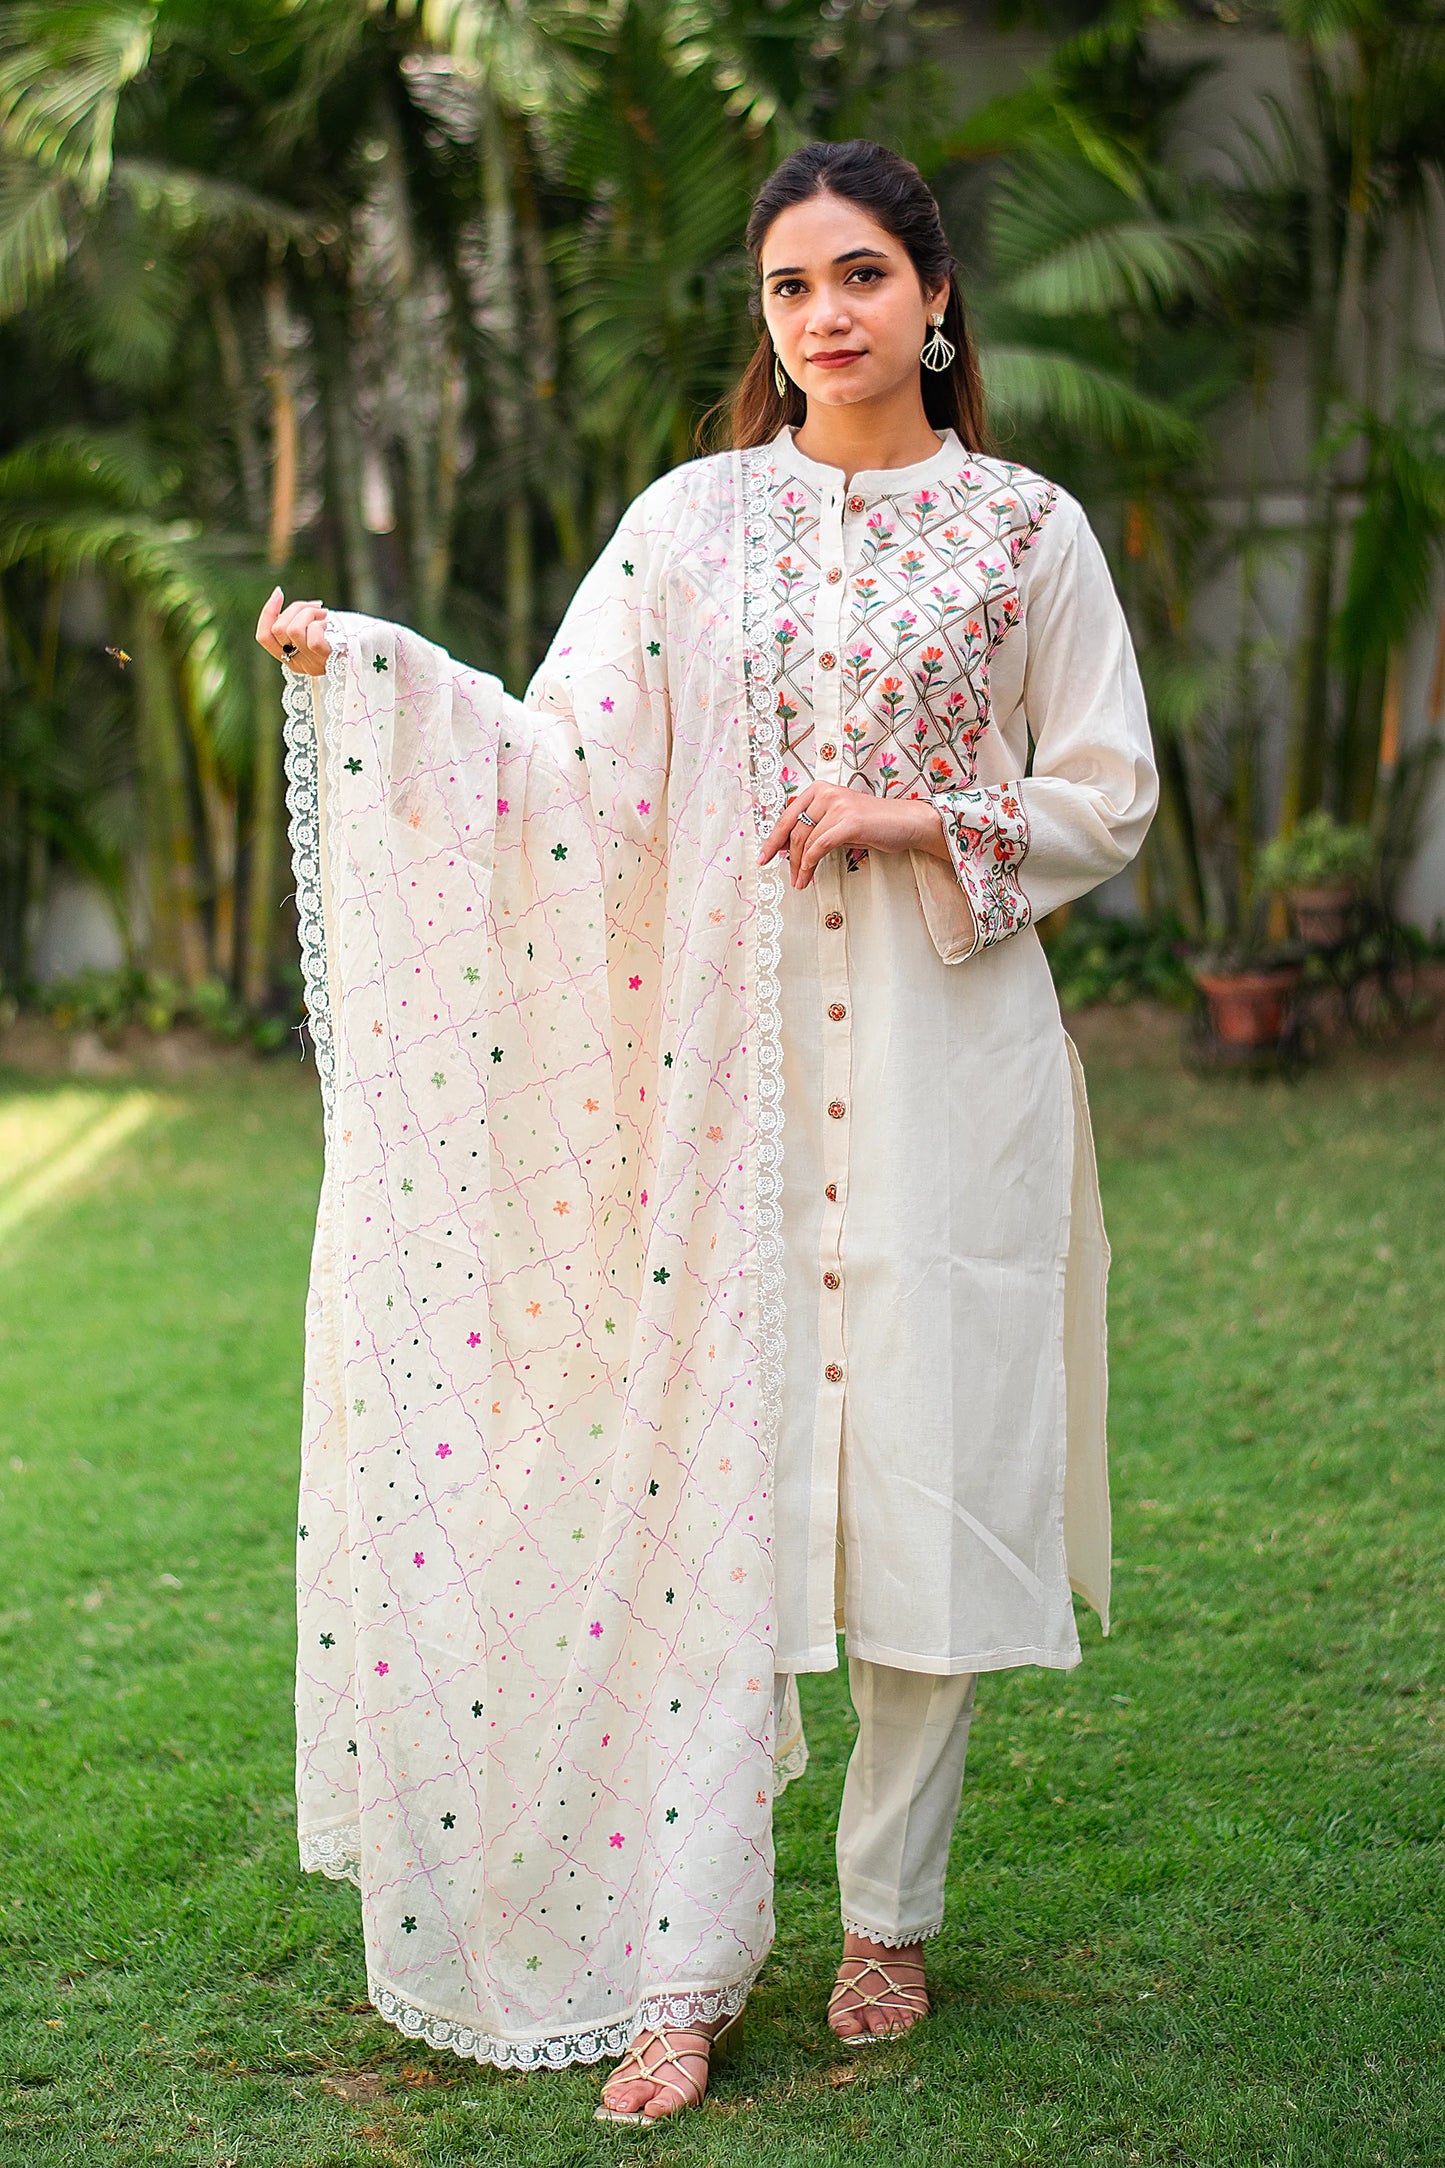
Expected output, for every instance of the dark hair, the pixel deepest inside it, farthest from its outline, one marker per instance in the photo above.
(894, 193)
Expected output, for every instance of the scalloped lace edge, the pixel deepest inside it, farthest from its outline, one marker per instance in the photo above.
(304, 720)
(585, 2044)
(332, 1852)
(892, 1942)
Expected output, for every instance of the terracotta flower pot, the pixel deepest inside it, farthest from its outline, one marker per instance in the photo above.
(1247, 1008)
(1322, 915)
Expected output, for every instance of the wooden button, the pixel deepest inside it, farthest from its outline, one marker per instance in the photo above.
(827, 752)
(834, 1374)
(833, 921)
(827, 660)
(831, 1280)
(837, 1011)
(835, 573)
(855, 504)
(837, 1109)
(831, 1193)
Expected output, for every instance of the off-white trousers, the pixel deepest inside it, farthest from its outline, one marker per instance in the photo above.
(900, 1798)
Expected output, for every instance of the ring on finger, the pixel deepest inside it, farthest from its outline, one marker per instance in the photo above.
(288, 648)
(806, 820)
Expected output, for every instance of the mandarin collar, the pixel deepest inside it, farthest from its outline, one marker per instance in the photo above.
(870, 482)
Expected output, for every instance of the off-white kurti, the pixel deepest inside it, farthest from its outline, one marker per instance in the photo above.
(940, 1201)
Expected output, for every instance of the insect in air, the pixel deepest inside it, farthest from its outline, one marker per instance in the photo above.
(120, 655)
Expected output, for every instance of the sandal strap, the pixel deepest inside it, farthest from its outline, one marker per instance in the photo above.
(634, 2063)
(906, 1992)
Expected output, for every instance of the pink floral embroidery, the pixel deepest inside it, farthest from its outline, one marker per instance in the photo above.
(987, 829)
(595, 1629)
(382, 1670)
(418, 1558)
(443, 1452)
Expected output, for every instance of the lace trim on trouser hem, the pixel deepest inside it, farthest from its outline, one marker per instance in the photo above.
(892, 1942)
(587, 2044)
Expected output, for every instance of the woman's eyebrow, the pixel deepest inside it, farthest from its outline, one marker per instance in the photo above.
(794, 270)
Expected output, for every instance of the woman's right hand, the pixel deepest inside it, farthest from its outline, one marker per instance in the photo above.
(297, 626)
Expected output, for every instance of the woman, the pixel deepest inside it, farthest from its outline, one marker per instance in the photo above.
(706, 1260)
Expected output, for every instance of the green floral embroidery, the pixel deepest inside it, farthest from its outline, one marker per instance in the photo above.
(577, 1535)
(438, 1077)
(670, 1594)
(559, 850)
(662, 1924)
(671, 1815)
(379, 662)
(449, 1821)
(405, 1186)
(353, 767)
(358, 1407)
(652, 1489)
(607, 1325)
(627, 568)
(596, 1430)
(653, 648)
(533, 1963)
(302, 1531)
(476, 1708)
(661, 1274)
(675, 1707)
(496, 1053)
(328, 1641)
(471, 974)
(408, 1925)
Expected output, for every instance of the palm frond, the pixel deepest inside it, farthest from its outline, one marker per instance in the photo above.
(1038, 387)
(63, 65)
(34, 241)
(115, 467)
(1066, 242)
(190, 203)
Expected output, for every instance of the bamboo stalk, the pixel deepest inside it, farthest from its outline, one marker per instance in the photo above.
(175, 888)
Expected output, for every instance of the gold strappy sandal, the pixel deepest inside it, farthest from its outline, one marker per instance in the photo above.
(634, 2064)
(908, 1995)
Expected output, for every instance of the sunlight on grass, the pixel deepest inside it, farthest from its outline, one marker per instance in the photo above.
(49, 1144)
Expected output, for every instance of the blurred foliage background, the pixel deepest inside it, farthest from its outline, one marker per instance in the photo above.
(398, 302)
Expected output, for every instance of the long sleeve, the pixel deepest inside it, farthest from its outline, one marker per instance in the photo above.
(1022, 847)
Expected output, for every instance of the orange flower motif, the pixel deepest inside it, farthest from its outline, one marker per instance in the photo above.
(725, 1468)
(715, 1134)
(715, 917)
(561, 1206)
(738, 1574)
(534, 1309)
(590, 1105)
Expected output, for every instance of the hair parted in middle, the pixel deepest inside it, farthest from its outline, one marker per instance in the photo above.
(895, 195)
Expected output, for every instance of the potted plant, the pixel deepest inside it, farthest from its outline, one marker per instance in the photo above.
(1320, 868)
(1248, 987)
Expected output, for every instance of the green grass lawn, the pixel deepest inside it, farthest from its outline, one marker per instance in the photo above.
(1196, 1896)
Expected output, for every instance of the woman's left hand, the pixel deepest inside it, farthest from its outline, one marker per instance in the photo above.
(851, 820)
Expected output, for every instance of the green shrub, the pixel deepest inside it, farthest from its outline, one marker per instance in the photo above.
(108, 1001)
(1319, 853)
(1095, 958)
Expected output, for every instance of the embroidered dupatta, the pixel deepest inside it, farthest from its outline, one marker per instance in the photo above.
(544, 1327)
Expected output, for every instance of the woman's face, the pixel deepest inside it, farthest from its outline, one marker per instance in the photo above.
(843, 303)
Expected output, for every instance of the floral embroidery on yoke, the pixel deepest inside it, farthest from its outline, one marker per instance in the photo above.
(933, 595)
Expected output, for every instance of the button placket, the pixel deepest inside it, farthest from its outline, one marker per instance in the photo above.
(836, 1088)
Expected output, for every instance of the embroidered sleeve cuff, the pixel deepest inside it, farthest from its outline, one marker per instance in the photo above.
(987, 831)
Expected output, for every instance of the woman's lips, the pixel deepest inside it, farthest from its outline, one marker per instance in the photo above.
(839, 359)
